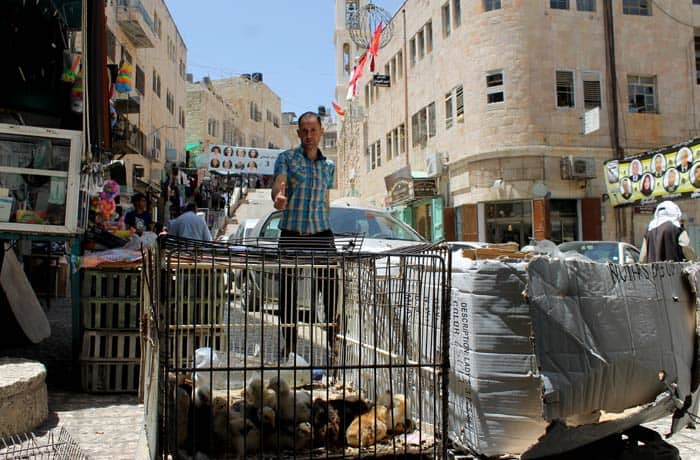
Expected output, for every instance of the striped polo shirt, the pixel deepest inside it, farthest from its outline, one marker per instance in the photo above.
(307, 184)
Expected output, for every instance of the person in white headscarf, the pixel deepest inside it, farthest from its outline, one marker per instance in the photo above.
(666, 239)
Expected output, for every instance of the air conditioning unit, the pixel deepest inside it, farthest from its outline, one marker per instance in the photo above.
(577, 168)
(434, 163)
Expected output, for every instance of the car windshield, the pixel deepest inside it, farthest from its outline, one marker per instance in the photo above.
(372, 224)
(598, 252)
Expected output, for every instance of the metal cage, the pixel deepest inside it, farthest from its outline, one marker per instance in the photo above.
(311, 352)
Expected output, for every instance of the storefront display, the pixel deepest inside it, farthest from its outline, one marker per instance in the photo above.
(39, 179)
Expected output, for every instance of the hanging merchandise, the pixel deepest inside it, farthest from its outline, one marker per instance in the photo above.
(76, 94)
(124, 79)
(71, 63)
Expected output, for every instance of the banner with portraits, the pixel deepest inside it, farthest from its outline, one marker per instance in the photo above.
(667, 173)
(229, 159)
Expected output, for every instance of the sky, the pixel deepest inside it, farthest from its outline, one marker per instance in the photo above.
(289, 41)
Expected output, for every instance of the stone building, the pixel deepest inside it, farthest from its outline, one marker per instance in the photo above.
(259, 110)
(481, 132)
(210, 119)
(151, 126)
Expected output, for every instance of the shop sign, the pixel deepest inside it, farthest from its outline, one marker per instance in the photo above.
(401, 187)
(381, 80)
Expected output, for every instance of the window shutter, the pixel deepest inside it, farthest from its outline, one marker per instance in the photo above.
(565, 88)
(591, 92)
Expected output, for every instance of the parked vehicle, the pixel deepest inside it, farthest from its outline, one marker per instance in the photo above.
(377, 230)
(603, 251)
(244, 229)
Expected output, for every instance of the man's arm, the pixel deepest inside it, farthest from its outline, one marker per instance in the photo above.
(684, 243)
(279, 191)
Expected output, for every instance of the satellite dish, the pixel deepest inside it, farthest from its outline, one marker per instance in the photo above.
(539, 190)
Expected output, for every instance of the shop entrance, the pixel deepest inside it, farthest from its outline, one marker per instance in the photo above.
(509, 221)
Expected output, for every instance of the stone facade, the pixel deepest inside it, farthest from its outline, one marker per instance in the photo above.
(210, 119)
(145, 34)
(23, 396)
(507, 150)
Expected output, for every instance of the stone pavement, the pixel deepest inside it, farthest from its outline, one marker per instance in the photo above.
(686, 441)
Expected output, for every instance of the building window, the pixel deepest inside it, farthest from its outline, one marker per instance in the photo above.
(352, 20)
(591, 90)
(392, 69)
(585, 5)
(428, 37)
(347, 68)
(420, 44)
(459, 104)
(367, 101)
(495, 91)
(446, 24)
(379, 154)
(449, 110)
(402, 138)
(170, 101)
(156, 83)
(140, 81)
(559, 4)
(490, 5)
(412, 50)
(423, 125)
(399, 65)
(457, 12)
(638, 7)
(565, 88)
(389, 145)
(181, 116)
(697, 58)
(641, 94)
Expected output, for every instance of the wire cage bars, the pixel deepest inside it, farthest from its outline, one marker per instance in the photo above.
(50, 446)
(301, 349)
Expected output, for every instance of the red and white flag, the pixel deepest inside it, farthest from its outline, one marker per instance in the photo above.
(338, 109)
(374, 45)
(356, 74)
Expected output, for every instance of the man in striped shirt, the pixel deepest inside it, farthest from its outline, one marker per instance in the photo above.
(303, 178)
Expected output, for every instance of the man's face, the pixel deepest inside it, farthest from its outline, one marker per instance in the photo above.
(310, 132)
(635, 168)
(684, 158)
(672, 178)
(658, 164)
(696, 175)
(141, 205)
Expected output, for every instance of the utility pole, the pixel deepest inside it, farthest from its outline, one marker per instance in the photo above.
(613, 108)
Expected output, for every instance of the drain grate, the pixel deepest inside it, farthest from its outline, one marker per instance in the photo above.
(51, 446)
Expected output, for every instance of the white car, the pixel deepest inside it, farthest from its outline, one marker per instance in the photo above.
(244, 229)
(376, 231)
(603, 251)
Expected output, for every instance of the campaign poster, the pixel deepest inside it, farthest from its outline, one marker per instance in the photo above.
(231, 159)
(667, 173)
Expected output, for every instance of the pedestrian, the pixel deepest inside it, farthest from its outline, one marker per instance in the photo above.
(190, 225)
(303, 177)
(139, 218)
(666, 239)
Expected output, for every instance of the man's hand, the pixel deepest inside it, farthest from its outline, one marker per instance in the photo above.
(281, 198)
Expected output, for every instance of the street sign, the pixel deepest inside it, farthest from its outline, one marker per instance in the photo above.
(591, 120)
(381, 80)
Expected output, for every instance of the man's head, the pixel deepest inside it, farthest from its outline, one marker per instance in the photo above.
(139, 202)
(190, 207)
(310, 130)
(696, 175)
(685, 157)
(658, 163)
(636, 168)
(672, 177)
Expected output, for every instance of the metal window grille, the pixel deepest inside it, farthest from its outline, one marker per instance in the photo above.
(636, 7)
(368, 331)
(641, 94)
(565, 88)
(591, 92)
(559, 4)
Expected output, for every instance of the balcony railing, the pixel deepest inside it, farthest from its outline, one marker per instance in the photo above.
(127, 139)
(136, 23)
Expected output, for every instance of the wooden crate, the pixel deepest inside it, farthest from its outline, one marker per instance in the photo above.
(111, 283)
(101, 376)
(111, 345)
(110, 313)
(109, 361)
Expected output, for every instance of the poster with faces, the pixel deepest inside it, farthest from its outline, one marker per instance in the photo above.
(228, 159)
(652, 176)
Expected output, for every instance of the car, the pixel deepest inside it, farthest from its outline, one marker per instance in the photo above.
(603, 251)
(375, 230)
(244, 229)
